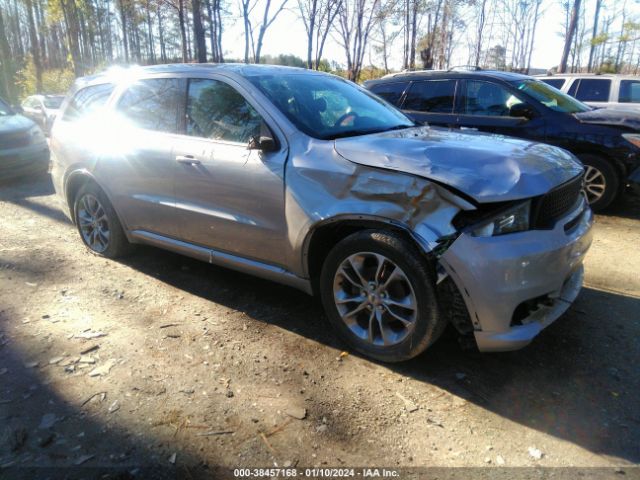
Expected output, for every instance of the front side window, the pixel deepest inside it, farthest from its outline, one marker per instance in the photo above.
(629, 91)
(593, 90)
(434, 96)
(327, 107)
(87, 101)
(152, 104)
(488, 99)
(550, 97)
(391, 92)
(217, 111)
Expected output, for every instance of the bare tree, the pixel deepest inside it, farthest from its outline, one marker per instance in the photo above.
(355, 22)
(268, 17)
(318, 17)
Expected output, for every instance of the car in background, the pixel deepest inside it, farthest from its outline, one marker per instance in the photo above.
(42, 109)
(605, 140)
(307, 179)
(23, 146)
(599, 90)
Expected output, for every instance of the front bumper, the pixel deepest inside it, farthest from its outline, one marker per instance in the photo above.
(517, 284)
(24, 161)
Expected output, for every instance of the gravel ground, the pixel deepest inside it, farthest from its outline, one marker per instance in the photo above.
(161, 360)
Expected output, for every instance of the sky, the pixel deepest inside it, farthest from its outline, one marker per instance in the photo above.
(287, 36)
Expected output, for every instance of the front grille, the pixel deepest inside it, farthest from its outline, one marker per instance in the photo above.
(553, 205)
(15, 140)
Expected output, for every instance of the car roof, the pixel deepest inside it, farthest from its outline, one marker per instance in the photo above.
(445, 74)
(241, 69)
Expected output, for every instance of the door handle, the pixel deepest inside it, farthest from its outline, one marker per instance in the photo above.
(188, 160)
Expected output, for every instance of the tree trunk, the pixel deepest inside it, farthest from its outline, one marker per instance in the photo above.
(6, 66)
(481, 21)
(35, 48)
(183, 31)
(198, 32)
(123, 22)
(594, 34)
(562, 68)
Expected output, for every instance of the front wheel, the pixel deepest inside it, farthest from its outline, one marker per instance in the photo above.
(601, 182)
(379, 294)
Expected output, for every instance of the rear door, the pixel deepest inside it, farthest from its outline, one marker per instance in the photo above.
(230, 198)
(136, 162)
(486, 106)
(432, 102)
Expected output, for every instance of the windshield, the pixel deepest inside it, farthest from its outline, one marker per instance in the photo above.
(551, 97)
(5, 109)
(53, 101)
(329, 107)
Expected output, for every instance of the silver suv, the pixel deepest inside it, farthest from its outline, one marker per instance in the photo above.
(307, 179)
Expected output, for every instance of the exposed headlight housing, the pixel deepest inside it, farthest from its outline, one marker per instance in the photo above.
(632, 138)
(511, 220)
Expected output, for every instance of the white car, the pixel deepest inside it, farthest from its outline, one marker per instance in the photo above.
(42, 109)
(606, 90)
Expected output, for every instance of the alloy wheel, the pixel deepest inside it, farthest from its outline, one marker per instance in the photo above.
(93, 222)
(375, 299)
(594, 183)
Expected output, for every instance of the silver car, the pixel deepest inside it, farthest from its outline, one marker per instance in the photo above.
(307, 179)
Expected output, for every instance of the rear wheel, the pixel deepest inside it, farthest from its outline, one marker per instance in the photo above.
(601, 181)
(379, 294)
(98, 224)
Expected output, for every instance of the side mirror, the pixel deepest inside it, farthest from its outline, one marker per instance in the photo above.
(264, 142)
(522, 110)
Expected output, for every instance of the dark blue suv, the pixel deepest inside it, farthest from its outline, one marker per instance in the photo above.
(607, 141)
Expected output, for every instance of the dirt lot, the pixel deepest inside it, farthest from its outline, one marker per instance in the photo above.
(193, 368)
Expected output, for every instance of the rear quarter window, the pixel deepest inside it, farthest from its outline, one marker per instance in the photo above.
(629, 91)
(391, 92)
(87, 100)
(554, 82)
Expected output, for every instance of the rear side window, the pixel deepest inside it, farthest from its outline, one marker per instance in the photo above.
(391, 92)
(217, 111)
(593, 90)
(629, 91)
(554, 82)
(87, 100)
(431, 96)
(152, 104)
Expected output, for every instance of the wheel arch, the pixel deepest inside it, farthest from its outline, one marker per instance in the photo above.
(75, 181)
(324, 235)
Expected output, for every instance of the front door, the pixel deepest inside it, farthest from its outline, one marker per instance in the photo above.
(487, 107)
(230, 198)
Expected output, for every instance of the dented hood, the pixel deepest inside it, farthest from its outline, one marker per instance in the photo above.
(488, 168)
(611, 116)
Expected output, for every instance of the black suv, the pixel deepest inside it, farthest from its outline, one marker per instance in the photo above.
(607, 141)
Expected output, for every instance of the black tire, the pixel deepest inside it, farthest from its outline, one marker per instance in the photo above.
(427, 325)
(611, 177)
(117, 244)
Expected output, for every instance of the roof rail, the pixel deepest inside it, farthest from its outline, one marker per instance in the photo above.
(471, 68)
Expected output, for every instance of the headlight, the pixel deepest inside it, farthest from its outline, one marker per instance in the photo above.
(633, 138)
(515, 219)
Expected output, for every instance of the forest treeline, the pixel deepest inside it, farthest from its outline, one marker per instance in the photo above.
(45, 44)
